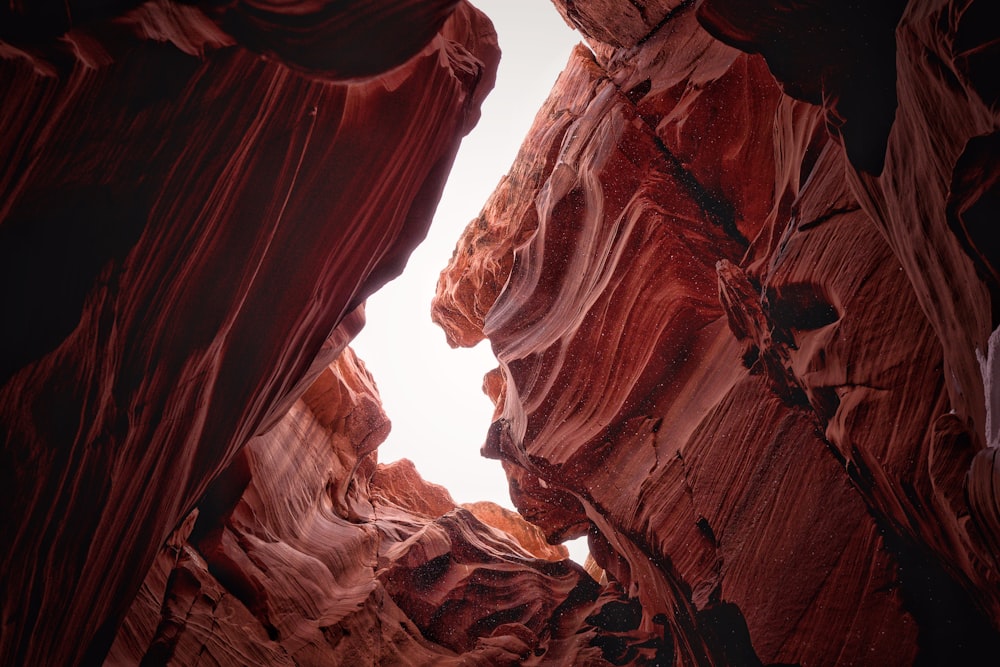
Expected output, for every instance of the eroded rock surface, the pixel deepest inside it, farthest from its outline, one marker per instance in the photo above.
(306, 552)
(739, 282)
(742, 309)
(190, 220)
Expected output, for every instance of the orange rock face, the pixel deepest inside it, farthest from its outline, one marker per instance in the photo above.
(743, 325)
(527, 534)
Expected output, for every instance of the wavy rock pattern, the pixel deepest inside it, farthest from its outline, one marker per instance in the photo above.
(740, 343)
(187, 233)
(329, 39)
(304, 552)
(740, 283)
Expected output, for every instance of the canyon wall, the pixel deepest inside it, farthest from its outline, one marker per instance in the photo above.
(195, 204)
(740, 283)
(304, 551)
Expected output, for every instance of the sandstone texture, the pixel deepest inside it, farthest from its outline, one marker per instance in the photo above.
(304, 551)
(739, 286)
(740, 282)
(192, 214)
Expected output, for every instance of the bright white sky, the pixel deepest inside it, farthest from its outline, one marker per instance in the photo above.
(432, 393)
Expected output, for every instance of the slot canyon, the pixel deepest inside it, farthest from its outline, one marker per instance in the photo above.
(739, 283)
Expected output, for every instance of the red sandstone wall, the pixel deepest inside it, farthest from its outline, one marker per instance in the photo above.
(304, 551)
(737, 331)
(187, 232)
(740, 282)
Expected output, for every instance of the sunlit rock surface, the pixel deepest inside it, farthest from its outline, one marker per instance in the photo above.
(739, 283)
(527, 534)
(305, 552)
(190, 220)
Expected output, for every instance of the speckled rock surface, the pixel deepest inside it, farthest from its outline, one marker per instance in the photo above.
(741, 284)
(743, 327)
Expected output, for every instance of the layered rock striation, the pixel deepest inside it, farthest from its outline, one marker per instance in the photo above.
(192, 214)
(740, 282)
(744, 330)
(304, 551)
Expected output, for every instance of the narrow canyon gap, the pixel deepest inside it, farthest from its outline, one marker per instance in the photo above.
(739, 281)
(431, 391)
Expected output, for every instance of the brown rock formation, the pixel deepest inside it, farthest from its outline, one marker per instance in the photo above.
(187, 233)
(304, 552)
(328, 39)
(739, 282)
(528, 535)
(741, 309)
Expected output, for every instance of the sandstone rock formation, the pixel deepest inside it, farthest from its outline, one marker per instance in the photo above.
(303, 552)
(744, 329)
(740, 282)
(191, 218)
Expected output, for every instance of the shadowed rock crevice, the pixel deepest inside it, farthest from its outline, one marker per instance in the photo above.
(973, 208)
(839, 55)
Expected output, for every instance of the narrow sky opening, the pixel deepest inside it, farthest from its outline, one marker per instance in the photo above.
(432, 393)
